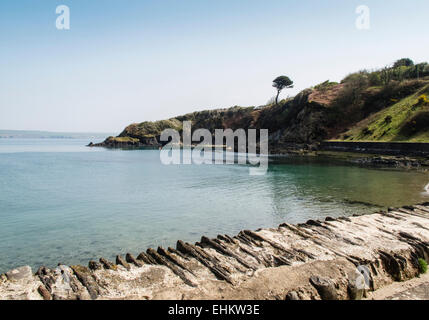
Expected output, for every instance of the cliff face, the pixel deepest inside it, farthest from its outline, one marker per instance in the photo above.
(298, 120)
(354, 110)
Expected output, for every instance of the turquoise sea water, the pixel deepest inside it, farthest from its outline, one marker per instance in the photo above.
(63, 202)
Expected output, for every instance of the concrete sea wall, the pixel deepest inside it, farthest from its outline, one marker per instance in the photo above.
(385, 148)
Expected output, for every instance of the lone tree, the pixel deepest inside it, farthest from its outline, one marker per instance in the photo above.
(281, 83)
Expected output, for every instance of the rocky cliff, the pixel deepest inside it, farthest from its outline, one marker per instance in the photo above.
(363, 107)
(302, 119)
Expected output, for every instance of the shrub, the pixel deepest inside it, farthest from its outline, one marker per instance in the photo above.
(375, 79)
(357, 78)
(423, 99)
(405, 62)
(388, 119)
(423, 265)
(325, 85)
(366, 131)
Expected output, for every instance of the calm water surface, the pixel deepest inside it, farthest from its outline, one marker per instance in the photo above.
(63, 202)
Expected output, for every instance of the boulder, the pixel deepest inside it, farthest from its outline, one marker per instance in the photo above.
(94, 265)
(325, 287)
(44, 293)
(19, 274)
(130, 258)
(108, 265)
(292, 295)
(122, 262)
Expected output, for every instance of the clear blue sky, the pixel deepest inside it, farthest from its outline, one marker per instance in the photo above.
(136, 60)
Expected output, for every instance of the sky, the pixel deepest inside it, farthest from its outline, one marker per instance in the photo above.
(130, 61)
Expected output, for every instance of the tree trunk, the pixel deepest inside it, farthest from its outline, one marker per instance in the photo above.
(277, 97)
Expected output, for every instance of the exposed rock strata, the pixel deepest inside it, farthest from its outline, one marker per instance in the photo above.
(315, 260)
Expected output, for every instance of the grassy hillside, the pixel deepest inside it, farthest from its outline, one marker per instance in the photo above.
(406, 120)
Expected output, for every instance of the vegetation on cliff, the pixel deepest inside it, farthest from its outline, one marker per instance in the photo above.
(405, 120)
(389, 104)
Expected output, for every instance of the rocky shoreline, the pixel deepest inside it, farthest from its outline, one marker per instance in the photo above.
(314, 260)
(359, 157)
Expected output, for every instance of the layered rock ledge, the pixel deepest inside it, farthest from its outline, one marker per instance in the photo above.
(315, 260)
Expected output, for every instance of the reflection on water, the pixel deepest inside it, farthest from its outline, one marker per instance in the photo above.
(70, 207)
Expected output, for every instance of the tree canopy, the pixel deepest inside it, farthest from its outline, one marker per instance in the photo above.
(280, 83)
(404, 62)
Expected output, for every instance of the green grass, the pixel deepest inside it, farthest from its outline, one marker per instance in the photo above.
(124, 139)
(405, 121)
(423, 265)
(151, 129)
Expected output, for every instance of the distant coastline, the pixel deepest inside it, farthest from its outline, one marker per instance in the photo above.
(34, 134)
